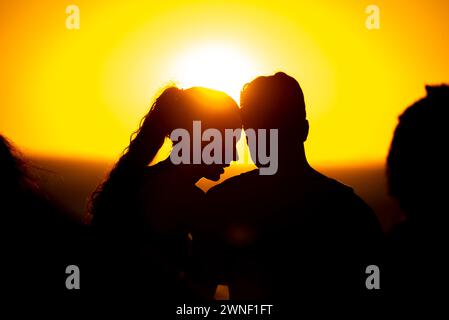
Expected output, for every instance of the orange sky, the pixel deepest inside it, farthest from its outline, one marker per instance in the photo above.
(82, 92)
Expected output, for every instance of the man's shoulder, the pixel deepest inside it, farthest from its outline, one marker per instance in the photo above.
(314, 182)
(318, 182)
(345, 208)
(336, 192)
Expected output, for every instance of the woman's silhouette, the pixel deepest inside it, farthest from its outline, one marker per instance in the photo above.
(143, 214)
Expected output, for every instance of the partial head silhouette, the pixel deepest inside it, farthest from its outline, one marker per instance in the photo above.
(418, 158)
(13, 170)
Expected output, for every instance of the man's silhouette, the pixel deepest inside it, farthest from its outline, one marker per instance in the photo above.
(296, 233)
(417, 175)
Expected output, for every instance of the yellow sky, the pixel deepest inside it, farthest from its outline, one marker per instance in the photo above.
(82, 92)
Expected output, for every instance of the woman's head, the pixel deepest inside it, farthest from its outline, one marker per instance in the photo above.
(174, 109)
(187, 111)
(178, 109)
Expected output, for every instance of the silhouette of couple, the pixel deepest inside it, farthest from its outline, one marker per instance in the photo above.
(268, 237)
(295, 235)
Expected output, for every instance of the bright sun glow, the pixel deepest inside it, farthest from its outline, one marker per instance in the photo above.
(217, 67)
(81, 93)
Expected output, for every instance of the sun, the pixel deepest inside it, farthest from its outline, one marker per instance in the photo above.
(221, 67)
(216, 66)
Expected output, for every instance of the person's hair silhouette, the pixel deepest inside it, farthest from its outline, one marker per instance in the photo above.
(279, 233)
(417, 174)
(143, 213)
(13, 170)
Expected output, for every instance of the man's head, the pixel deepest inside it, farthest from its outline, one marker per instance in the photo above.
(276, 102)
